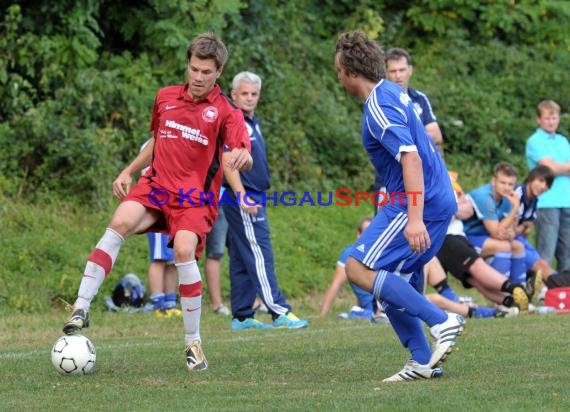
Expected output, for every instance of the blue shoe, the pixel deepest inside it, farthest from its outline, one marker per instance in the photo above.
(356, 312)
(249, 323)
(290, 321)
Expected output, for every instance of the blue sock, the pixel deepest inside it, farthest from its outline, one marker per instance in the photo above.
(484, 312)
(400, 294)
(169, 301)
(518, 269)
(446, 291)
(502, 263)
(410, 332)
(157, 300)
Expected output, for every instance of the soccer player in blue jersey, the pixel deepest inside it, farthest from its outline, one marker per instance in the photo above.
(389, 256)
(537, 182)
(491, 228)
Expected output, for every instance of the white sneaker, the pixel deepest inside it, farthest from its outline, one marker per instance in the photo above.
(222, 310)
(413, 371)
(505, 312)
(445, 334)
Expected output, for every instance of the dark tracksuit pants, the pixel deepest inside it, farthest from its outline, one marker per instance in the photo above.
(252, 269)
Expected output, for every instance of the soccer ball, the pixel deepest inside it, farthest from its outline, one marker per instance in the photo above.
(73, 355)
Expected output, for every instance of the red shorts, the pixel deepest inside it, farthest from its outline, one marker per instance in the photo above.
(175, 216)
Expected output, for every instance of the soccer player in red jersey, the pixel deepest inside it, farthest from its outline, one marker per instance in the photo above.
(191, 125)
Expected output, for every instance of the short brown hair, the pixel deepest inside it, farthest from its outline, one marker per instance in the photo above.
(505, 168)
(396, 53)
(208, 46)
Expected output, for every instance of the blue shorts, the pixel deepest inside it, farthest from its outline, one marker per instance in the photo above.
(384, 246)
(531, 254)
(217, 238)
(477, 241)
(159, 251)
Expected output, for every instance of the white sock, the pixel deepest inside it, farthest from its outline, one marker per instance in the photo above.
(190, 289)
(98, 266)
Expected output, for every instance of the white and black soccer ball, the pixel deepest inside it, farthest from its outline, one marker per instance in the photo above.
(73, 355)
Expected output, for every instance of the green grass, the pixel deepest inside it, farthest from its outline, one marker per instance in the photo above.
(45, 243)
(517, 364)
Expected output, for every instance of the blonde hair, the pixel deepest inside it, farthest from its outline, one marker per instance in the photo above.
(547, 106)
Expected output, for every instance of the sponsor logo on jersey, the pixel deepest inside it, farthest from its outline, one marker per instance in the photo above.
(210, 114)
(188, 132)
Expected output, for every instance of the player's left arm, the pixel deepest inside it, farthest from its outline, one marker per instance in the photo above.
(234, 181)
(237, 139)
(435, 133)
(430, 123)
(239, 159)
(415, 232)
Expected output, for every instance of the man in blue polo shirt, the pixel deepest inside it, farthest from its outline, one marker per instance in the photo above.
(252, 268)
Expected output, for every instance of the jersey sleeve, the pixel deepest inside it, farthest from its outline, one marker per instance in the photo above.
(388, 125)
(344, 256)
(535, 151)
(484, 205)
(235, 132)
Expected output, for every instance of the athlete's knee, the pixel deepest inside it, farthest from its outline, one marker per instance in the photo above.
(184, 253)
(351, 268)
(121, 225)
(517, 247)
(493, 246)
(185, 243)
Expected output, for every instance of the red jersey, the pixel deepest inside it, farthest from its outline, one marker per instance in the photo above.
(190, 138)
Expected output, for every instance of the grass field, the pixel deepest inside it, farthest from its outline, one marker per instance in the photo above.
(517, 364)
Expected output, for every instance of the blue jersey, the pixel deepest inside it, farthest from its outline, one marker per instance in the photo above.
(527, 208)
(486, 208)
(257, 179)
(391, 127)
(422, 106)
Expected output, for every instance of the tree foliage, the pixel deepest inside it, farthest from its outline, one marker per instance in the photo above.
(77, 81)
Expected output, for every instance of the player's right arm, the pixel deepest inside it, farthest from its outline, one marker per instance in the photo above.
(504, 229)
(123, 183)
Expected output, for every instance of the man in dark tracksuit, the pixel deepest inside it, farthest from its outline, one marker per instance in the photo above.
(252, 269)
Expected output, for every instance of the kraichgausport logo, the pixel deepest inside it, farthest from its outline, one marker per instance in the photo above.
(340, 197)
